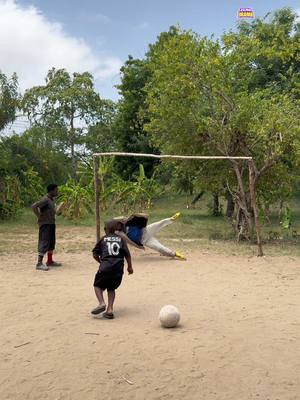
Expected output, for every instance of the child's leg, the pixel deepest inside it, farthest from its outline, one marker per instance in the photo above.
(152, 229)
(43, 243)
(101, 307)
(42, 247)
(154, 244)
(99, 295)
(111, 294)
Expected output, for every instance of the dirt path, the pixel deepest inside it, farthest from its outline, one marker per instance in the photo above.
(238, 339)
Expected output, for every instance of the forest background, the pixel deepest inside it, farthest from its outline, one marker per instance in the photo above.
(238, 96)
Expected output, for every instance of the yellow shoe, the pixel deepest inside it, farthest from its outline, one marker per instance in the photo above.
(180, 256)
(175, 216)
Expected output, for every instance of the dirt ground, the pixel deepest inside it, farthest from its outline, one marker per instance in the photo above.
(238, 338)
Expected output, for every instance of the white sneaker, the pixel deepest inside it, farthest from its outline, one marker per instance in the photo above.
(42, 267)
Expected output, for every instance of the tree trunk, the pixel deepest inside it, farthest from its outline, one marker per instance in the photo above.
(230, 205)
(97, 184)
(216, 205)
(252, 180)
(197, 197)
(72, 145)
(244, 220)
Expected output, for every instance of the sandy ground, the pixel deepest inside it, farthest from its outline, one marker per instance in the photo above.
(239, 335)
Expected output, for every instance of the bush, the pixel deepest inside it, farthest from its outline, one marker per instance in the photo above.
(10, 196)
(78, 200)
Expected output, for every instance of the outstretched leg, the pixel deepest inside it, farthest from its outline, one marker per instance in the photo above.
(152, 229)
(154, 244)
(150, 241)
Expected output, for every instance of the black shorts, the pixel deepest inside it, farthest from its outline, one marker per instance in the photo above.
(108, 280)
(46, 238)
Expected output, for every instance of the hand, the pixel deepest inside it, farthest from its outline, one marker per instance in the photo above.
(61, 207)
(130, 270)
(96, 258)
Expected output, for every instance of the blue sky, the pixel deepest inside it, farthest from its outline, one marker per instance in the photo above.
(111, 30)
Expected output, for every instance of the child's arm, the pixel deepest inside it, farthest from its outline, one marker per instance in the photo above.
(35, 209)
(59, 209)
(97, 252)
(129, 265)
(128, 258)
(96, 257)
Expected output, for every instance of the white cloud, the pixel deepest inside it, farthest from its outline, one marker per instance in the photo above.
(30, 45)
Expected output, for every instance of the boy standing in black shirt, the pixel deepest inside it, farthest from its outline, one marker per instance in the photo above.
(110, 252)
(46, 211)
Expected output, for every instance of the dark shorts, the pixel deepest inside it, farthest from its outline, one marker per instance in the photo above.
(46, 238)
(107, 280)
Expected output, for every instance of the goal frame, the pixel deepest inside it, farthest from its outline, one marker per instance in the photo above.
(251, 170)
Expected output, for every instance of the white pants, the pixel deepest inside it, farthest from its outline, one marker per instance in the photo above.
(150, 241)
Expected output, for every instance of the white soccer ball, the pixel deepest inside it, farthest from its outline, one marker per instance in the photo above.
(169, 316)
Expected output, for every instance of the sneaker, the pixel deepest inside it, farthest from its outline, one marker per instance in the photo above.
(42, 267)
(54, 264)
(179, 256)
(99, 309)
(175, 216)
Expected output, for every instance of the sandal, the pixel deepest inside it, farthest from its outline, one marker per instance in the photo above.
(98, 309)
(108, 315)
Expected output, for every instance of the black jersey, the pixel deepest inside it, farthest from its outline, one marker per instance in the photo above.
(112, 250)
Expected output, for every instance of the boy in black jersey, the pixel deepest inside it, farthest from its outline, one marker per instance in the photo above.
(110, 252)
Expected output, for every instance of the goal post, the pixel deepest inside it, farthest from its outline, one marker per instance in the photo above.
(97, 182)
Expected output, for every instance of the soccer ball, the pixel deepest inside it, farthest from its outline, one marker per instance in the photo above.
(169, 316)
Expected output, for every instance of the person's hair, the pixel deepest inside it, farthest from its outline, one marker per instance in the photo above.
(51, 187)
(110, 227)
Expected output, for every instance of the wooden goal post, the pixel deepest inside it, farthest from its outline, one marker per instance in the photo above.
(96, 161)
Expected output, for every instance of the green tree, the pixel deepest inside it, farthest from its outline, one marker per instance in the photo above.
(20, 184)
(36, 148)
(267, 52)
(203, 99)
(100, 137)
(66, 105)
(129, 125)
(8, 99)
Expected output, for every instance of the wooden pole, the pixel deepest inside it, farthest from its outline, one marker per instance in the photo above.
(254, 207)
(173, 156)
(97, 195)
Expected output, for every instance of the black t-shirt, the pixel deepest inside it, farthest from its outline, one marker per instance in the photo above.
(112, 250)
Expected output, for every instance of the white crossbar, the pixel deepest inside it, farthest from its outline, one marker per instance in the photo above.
(114, 153)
